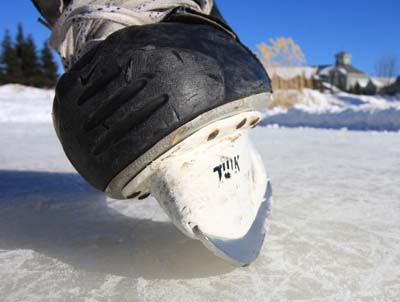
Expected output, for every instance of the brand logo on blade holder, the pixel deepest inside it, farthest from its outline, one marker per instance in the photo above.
(226, 169)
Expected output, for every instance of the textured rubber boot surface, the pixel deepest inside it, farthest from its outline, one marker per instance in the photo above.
(142, 83)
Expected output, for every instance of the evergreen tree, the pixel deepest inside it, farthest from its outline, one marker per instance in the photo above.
(10, 67)
(20, 41)
(30, 63)
(20, 62)
(2, 63)
(49, 67)
(357, 89)
(6, 46)
(28, 60)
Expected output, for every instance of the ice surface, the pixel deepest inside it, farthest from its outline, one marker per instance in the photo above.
(334, 232)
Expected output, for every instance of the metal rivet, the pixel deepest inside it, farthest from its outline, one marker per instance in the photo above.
(241, 124)
(213, 135)
(255, 122)
(144, 196)
(134, 195)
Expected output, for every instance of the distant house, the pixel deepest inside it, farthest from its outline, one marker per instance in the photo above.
(343, 75)
(339, 77)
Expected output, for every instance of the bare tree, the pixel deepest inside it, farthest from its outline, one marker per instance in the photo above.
(386, 68)
(281, 52)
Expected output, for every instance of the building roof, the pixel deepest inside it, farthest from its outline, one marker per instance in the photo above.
(320, 67)
(351, 69)
(325, 70)
(345, 69)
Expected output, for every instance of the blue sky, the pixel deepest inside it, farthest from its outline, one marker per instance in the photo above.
(366, 28)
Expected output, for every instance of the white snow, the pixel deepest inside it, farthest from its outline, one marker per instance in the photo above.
(382, 82)
(20, 104)
(25, 104)
(363, 82)
(341, 110)
(333, 235)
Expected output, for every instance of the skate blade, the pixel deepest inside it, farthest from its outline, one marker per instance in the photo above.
(214, 188)
(243, 251)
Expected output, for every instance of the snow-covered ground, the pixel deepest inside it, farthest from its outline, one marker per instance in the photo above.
(337, 111)
(334, 231)
(314, 109)
(25, 104)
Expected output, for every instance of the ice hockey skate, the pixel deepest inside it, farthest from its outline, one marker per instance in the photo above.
(158, 99)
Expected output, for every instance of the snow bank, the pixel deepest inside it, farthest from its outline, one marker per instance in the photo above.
(23, 104)
(20, 104)
(336, 111)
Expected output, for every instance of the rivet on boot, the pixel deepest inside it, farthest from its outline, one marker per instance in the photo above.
(213, 135)
(255, 122)
(134, 195)
(144, 196)
(241, 124)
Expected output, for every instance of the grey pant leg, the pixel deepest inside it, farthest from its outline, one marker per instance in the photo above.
(49, 9)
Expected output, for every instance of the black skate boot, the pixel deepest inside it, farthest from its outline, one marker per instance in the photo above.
(164, 109)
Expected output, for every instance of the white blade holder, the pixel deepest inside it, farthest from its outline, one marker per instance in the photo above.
(214, 188)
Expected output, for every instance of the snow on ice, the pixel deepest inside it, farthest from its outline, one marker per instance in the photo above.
(333, 235)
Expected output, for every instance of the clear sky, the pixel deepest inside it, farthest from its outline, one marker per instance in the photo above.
(366, 28)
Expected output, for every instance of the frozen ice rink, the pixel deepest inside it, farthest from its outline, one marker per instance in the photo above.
(334, 232)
